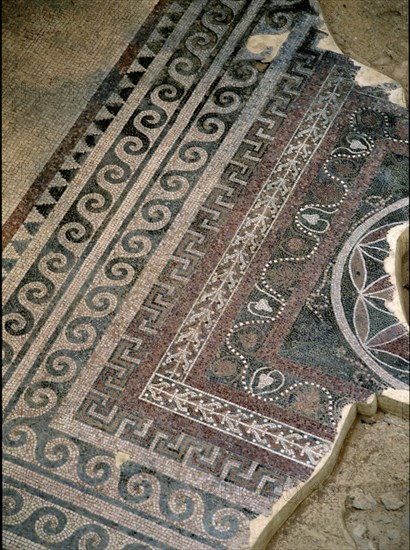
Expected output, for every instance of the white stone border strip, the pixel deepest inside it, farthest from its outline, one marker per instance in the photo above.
(263, 528)
(398, 240)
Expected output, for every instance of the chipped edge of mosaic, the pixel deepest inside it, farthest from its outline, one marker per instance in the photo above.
(263, 528)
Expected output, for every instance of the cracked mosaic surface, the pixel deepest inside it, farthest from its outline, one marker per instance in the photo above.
(200, 287)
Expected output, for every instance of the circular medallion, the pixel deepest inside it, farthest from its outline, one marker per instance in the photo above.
(360, 287)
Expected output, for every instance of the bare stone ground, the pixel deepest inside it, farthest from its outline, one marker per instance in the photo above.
(373, 32)
(364, 505)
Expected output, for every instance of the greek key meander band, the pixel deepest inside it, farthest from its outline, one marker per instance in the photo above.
(191, 137)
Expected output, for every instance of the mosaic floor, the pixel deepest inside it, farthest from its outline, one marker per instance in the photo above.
(196, 288)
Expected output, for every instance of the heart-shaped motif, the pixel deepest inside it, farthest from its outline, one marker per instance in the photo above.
(266, 380)
(263, 305)
(357, 145)
(312, 219)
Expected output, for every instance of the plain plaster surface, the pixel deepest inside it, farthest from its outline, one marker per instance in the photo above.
(369, 459)
(55, 55)
(372, 32)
